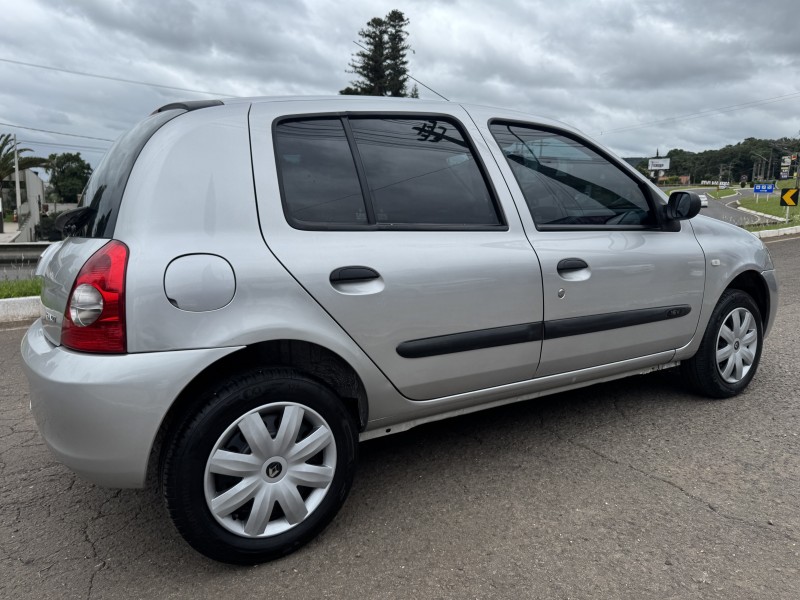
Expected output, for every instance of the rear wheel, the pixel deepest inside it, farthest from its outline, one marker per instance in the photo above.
(731, 348)
(261, 468)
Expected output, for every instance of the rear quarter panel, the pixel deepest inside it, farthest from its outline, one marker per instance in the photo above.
(191, 192)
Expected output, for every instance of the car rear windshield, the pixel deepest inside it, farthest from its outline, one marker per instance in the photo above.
(103, 193)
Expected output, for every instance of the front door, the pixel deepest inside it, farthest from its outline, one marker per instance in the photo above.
(616, 284)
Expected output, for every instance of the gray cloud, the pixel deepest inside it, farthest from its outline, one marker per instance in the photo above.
(601, 66)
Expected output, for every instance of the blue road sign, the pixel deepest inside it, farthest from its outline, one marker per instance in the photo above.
(763, 188)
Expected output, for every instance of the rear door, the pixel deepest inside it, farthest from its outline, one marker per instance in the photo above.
(391, 222)
(616, 284)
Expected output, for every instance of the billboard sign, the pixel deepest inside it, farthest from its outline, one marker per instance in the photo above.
(658, 164)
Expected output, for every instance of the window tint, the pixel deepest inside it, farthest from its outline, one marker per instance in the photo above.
(421, 171)
(320, 183)
(566, 183)
(102, 197)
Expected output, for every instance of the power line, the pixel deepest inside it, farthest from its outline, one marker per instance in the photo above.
(708, 112)
(86, 137)
(79, 147)
(120, 79)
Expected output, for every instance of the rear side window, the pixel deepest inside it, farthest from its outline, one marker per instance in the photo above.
(103, 193)
(422, 171)
(381, 173)
(320, 183)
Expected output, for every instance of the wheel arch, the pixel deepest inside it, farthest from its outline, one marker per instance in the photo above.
(316, 361)
(752, 283)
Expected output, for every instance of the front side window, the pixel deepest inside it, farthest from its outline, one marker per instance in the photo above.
(566, 183)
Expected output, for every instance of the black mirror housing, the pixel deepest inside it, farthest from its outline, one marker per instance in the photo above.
(682, 206)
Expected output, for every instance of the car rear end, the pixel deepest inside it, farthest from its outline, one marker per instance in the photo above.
(97, 400)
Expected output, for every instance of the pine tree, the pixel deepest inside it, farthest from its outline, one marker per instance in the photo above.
(396, 49)
(381, 65)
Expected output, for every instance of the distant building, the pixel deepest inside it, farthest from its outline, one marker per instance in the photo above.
(31, 200)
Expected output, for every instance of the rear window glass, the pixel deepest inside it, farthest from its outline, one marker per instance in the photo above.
(319, 178)
(103, 193)
(422, 171)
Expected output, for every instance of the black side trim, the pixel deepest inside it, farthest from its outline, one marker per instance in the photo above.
(471, 340)
(594, 323)
(189, 105)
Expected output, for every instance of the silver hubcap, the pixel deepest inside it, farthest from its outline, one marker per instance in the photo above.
(737, 344)
(270, 469)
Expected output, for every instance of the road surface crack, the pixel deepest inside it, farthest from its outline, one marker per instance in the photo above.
(715, 510)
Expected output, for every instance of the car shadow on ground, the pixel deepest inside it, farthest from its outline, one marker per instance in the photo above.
(463, 453)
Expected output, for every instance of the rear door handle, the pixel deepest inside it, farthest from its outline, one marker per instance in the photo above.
(571, 264)
(353, 274)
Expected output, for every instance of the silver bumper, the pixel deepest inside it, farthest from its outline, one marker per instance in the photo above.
(100, 414)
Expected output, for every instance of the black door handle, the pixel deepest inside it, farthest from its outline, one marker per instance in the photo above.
(571, 264)
(353, 274)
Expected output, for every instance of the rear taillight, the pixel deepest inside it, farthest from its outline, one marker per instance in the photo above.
(94, 320)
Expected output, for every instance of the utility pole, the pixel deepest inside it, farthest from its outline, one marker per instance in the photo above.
(796, 178)
(16, 177)
(769, 169)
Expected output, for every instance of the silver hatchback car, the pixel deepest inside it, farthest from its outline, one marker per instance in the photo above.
(251, 287)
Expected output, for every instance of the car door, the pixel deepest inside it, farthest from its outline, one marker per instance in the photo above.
(617, 283)
(391, 223)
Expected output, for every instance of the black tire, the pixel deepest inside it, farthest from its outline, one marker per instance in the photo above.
(702, 372)
(269, 394)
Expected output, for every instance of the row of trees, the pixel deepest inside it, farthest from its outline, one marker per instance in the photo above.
(731, 162)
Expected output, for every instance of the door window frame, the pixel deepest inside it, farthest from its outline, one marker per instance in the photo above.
(373, 225)
(656, 207)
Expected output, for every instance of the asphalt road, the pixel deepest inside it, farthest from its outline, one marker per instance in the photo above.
(632, 489)
(720, 210)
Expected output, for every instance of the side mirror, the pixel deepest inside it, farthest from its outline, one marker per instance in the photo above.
(682, 205)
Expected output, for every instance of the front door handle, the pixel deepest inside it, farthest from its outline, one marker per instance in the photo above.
(353, 274)
(571, 264)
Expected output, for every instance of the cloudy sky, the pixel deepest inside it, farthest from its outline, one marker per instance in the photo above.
(692, 74)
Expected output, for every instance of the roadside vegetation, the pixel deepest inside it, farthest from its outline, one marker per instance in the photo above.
(20, 288)
(772, 206)
(724, 193)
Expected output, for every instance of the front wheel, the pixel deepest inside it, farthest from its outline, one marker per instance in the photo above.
(261, 468)
(731, 348)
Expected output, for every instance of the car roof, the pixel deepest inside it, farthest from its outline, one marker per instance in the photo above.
(381, 104)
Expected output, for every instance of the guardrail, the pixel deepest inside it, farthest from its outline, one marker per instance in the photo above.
(22, 254)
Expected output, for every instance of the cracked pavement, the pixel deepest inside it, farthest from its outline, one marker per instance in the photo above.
(631, 489)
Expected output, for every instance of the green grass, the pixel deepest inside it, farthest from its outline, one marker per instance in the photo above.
(786, 183)
(769, 206)
(722, 193)
(20, 288)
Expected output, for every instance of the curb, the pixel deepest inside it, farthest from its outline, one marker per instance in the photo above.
(768, 233)
(19, 309)
(764, 215)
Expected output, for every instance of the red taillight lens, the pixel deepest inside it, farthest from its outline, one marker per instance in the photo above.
(94, 320)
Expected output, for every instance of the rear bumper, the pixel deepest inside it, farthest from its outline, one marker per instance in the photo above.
(100, 414)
